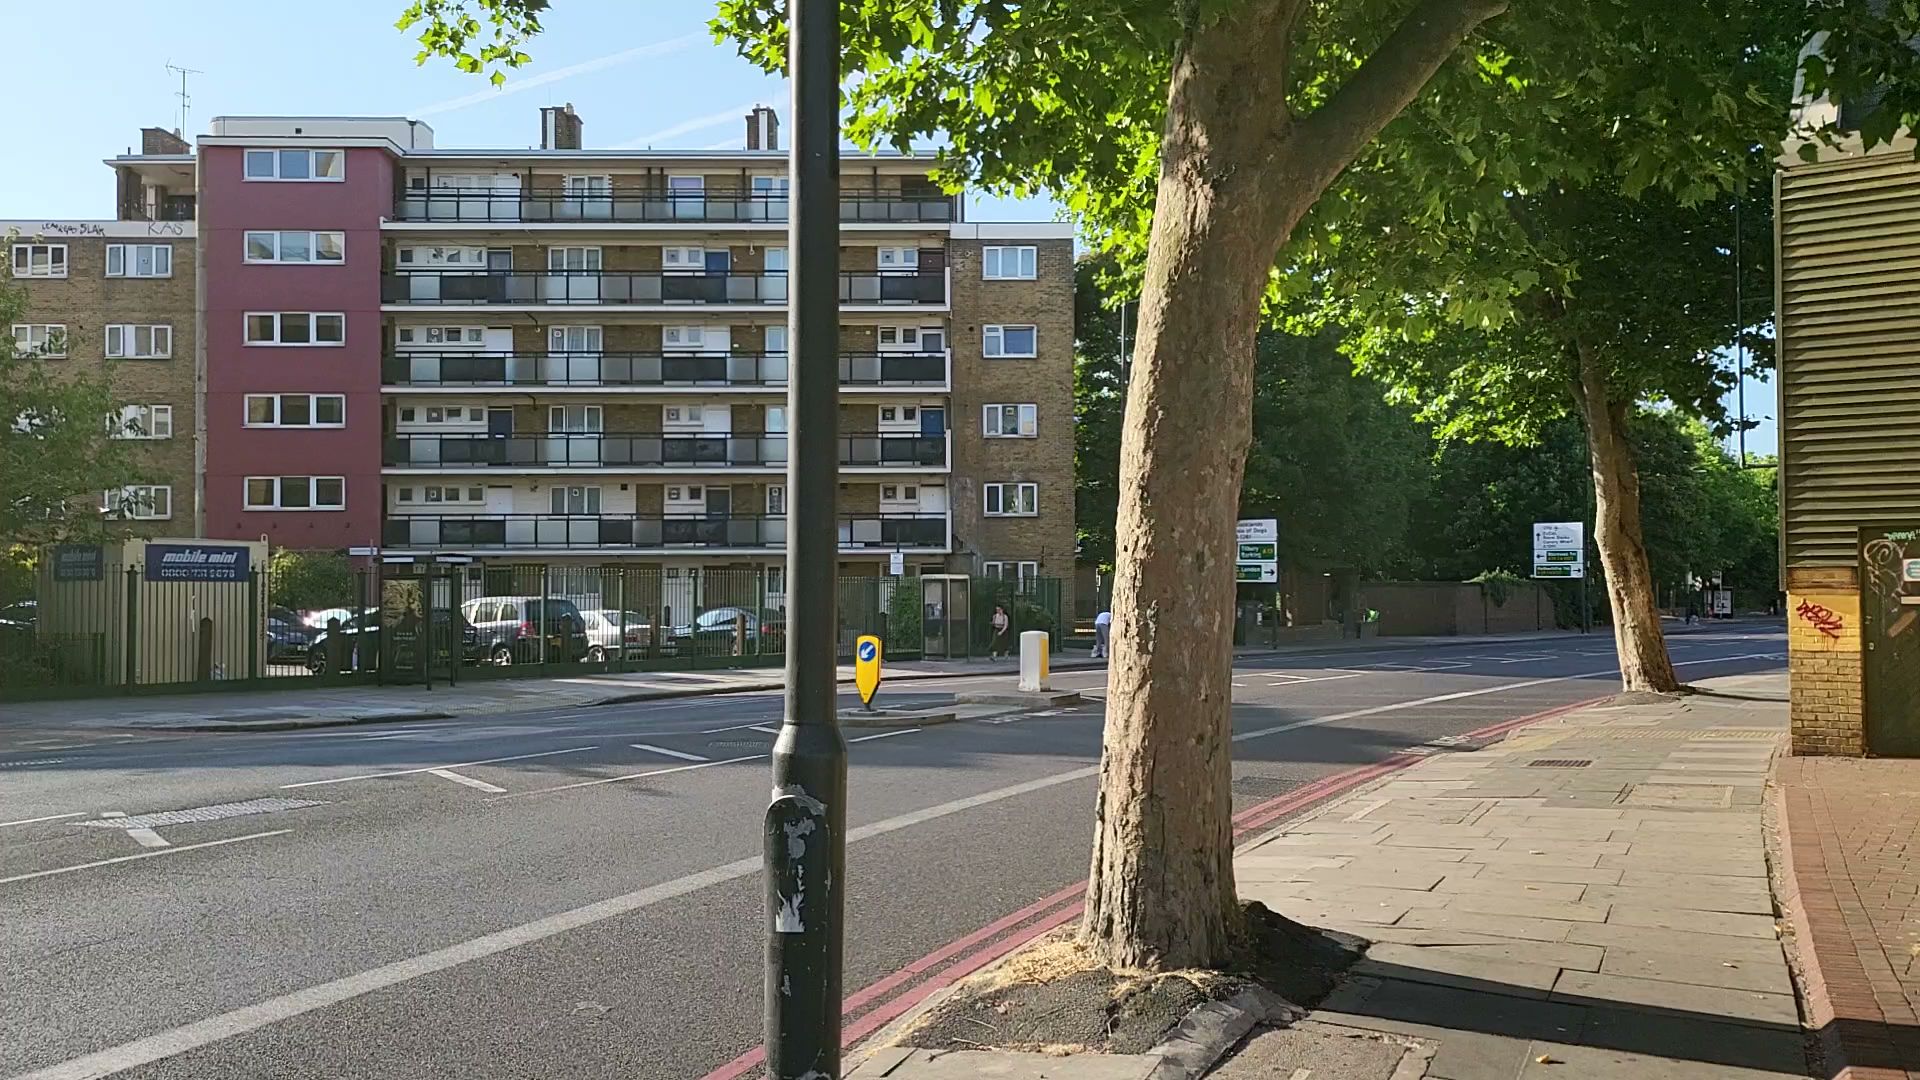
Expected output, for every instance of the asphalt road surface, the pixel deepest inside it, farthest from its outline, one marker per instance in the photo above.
(577, 893)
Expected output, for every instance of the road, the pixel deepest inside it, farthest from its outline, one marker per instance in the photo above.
(576, 893)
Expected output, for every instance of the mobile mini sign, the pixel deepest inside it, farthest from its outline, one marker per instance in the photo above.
(196, 562)
(1559, 549)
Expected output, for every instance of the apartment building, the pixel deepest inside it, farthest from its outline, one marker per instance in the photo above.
(569, 356)
(117, 295)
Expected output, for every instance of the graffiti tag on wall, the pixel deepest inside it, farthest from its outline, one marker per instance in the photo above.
(1822, 618)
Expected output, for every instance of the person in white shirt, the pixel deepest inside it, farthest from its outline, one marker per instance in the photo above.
(1102, 630)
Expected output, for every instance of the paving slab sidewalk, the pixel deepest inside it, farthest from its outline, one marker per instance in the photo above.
(1586, 899)
(1850, 830)
(297, 706)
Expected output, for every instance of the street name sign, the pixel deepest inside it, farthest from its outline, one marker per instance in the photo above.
(1559, 549)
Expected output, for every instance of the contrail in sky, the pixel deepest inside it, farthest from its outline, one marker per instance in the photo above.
(516, 86)
(685, 127)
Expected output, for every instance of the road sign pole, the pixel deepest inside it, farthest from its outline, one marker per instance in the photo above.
(1586, 611)
(805, 833)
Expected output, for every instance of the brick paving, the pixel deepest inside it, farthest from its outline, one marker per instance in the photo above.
(1850, 828)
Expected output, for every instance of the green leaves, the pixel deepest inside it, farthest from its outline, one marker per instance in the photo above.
(477, 35)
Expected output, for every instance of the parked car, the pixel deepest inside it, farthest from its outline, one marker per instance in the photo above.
(604, 640)
(507, 630)
(287, 640)
(361, 632)
(712, 632)
(24, 615)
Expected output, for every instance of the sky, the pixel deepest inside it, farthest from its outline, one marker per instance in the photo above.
(639, 72)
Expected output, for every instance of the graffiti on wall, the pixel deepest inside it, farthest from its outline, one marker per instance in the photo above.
(1823, 618)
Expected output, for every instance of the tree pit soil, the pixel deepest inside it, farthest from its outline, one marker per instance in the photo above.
(1053, 998)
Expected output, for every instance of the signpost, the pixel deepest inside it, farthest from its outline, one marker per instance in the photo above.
(1560, 551)
(896, 563)
(866, 668)
(1258, 558)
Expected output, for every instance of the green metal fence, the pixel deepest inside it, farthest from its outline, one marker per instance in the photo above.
(433, 623)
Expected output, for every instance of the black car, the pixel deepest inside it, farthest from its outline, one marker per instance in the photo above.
(362, 635)
(712, 632)
(504, 630)
(287, 640)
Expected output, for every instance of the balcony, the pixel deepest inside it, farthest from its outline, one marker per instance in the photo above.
(649, 369)
(677, 208)
(447, 288)
(669, 451)
(511, 532)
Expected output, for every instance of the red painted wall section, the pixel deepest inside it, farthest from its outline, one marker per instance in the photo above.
(230, 205)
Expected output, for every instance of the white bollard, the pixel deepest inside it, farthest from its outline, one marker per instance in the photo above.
(1034, 673)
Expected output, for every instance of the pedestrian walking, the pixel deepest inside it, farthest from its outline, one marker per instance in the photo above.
(998, 647)
(1102, 633)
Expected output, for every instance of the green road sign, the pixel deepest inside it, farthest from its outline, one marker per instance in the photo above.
(1553, 571)
(1259, 552)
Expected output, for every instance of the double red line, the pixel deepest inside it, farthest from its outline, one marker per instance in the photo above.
(958, 959)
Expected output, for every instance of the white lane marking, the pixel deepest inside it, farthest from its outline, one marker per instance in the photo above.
(449, 774)
(764, 728)
(430, 768)
(148, 838)
(735, 727)
(1459, 694)
(682, 755)
(635, 776)
(142, 855)
(179, 1040)
(884, 735)
(36, 820)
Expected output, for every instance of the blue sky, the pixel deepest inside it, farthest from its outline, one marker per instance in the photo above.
(640, 72)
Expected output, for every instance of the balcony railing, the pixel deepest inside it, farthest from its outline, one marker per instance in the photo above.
(651, 450)
(536, 369)
(510, 531)
(439, 288)
(494, 204)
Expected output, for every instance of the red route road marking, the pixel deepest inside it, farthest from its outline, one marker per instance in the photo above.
(1246, 821)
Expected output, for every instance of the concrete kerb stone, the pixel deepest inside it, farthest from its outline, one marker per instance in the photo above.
(1816, 1000)
(304, 722)
(896, 718)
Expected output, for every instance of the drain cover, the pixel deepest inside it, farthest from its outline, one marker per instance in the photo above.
(1559, 763)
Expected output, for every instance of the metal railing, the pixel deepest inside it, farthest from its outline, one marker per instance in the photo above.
(490, 532)
(665, 287)
(653, 449)
(463, 368)
(545, 205)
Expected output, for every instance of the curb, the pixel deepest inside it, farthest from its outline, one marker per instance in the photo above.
(1818, 1014)
(302, 723)
(882, 718)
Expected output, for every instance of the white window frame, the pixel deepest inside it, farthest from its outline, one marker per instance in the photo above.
(897, 258)
(279, 494)
(274, 156)
(693, 338)
(52, 337)
(151, 502)
(146, 422)
(24, 264)
(592, 501)
(313, 410)
(1025, 571)
(123, 260)
(276, 239)
(993, 341)
(122, 341)
(994, 259)
(1026, 421)
(279, 319)
(993, 498)
(683, 259)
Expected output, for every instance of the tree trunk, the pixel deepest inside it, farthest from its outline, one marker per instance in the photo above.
(1237, 172)
(1644, 663)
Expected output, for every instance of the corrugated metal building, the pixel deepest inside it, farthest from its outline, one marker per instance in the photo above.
(1848, 304)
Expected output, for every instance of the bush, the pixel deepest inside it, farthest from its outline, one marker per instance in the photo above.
(1498, 584)
(905, 629)
(306, 580)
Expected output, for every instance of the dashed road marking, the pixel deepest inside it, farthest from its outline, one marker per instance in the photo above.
(198, 815)
(681, 754)
(449, 774)
(430, 768)
(884, 735)
(142, 855)
(37, 820)
(633, 776)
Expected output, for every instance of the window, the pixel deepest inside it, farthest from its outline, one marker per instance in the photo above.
(39, 260)
(137, 342)
(296, 328)
(139, 502)
(1023, 574)
(1009, 341)
(580, 339)
(298, 410)
(296, 165)
(1010, 421)
(139, 260)
(897, 258)
(1008, 263)
(690, 259)
(40, 339)
(1011, 500)
(296, 247)
(296, 493)
(683, 337)
(142, 422)
(576, 500)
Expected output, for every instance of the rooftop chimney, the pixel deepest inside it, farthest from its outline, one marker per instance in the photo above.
(763, 129)
(559, 127)
(155, 140)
